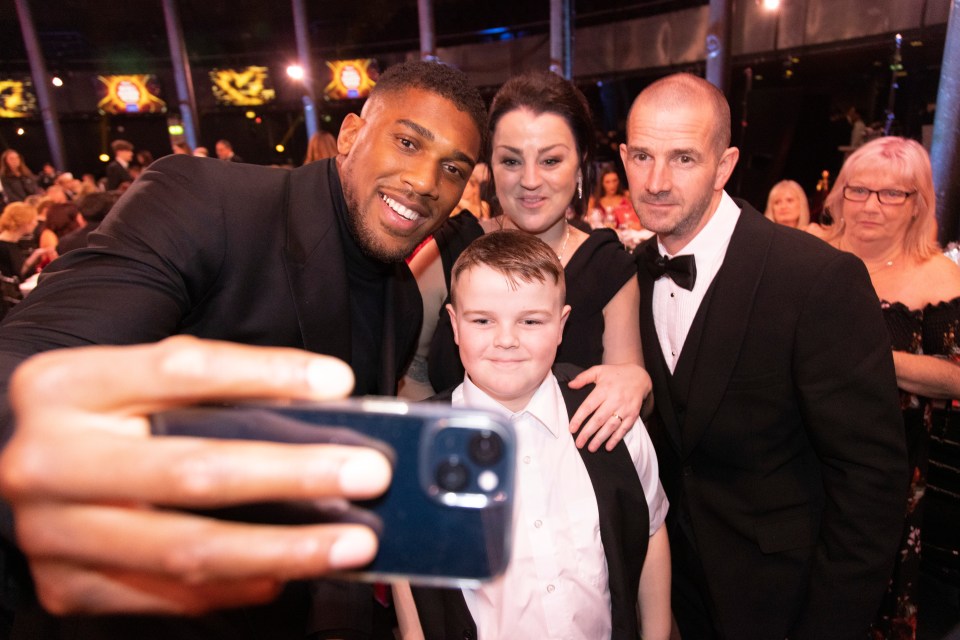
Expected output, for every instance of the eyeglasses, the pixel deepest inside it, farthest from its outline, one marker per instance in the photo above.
(885, 196)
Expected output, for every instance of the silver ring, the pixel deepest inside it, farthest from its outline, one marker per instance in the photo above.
(617, 416)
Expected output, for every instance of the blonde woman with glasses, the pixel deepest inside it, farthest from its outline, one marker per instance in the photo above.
(883, 203)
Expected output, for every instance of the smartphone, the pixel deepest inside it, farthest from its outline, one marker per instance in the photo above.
(446, 518)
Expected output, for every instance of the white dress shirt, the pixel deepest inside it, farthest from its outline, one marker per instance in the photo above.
(673, 306)
(556, 583)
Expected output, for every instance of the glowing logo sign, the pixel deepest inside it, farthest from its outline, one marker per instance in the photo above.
(351, 79)
(130, 94)
(242, 87)
(17, 99)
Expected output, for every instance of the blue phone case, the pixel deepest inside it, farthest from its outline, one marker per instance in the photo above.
(446, 518)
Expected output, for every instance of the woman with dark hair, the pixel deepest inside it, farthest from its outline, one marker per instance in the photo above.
(17, 179)
(540, 147)
(610, 202)
(62, 219)
(884, 204)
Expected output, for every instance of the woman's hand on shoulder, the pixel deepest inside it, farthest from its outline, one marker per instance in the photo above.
(612, 408)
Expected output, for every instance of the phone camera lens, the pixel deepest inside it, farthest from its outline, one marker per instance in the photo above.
(486, 448)
(452, 475)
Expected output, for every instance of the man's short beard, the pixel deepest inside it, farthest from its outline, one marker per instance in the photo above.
(689, 223)
(686, 224)
(365, 239)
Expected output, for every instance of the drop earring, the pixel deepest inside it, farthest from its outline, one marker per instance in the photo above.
(580, 186)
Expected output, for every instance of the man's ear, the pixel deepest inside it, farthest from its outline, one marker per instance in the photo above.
(453, 322)
(349, 131)
(728, 160)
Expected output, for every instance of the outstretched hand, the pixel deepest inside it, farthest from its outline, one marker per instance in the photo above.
(94, 496)
(613, 407)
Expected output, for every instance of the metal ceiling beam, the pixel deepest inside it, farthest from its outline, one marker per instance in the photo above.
(41, 84)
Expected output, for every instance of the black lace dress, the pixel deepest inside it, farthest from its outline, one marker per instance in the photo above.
(932, 331)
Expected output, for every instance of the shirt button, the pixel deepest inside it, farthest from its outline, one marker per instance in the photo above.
(673, 295)
(538, 523)
(526, 459)
(673, 353)
(550, 588)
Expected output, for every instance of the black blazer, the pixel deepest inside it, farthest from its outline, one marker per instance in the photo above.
(785, 448)
(117, 174)
(218, 250)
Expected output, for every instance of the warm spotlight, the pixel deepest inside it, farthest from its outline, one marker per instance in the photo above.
(57, 81)
(104, 157)
(770, 5)
(280, 148)
(295, 71)
(20, 131)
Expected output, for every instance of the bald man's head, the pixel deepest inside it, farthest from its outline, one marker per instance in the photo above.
(682, 89)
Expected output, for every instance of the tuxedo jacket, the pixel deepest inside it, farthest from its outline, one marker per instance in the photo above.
(217, 250)
(779, 437)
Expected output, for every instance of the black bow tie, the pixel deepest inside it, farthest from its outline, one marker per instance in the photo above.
(682, 269)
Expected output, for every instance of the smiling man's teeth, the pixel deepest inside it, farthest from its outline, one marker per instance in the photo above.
(402, 211)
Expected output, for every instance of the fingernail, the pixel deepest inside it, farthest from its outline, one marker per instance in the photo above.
(331, 378)
(355, 547)
(364, 474)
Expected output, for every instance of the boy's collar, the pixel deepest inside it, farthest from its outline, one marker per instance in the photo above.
(543, 405)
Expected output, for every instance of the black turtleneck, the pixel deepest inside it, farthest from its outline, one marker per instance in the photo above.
(367, 280)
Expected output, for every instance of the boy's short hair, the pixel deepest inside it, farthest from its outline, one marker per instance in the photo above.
(516, 254)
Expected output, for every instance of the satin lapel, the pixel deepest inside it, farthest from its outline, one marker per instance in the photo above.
(728, 315)
(314, 260)
(652, 355)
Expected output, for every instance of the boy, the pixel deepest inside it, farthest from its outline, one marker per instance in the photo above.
(582, 520)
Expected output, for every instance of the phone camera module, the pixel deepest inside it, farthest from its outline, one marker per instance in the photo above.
(452, 475)
(486, 448)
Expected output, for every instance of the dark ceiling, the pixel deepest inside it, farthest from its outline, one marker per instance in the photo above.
(104, 33)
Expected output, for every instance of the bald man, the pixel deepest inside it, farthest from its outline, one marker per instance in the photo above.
(777, 421)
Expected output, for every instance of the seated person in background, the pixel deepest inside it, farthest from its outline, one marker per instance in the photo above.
(47, 176)
(508, 312)
(18, 220)
(62, 219)
(224, 150)
(15, 176)
(610, 203)
(322, 145)
(884, 205)
(472, 199)
(787, 205)
(88, 184)
(94, 208)
(71, 186)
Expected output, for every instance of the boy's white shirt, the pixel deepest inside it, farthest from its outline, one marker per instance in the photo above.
(556, 585)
